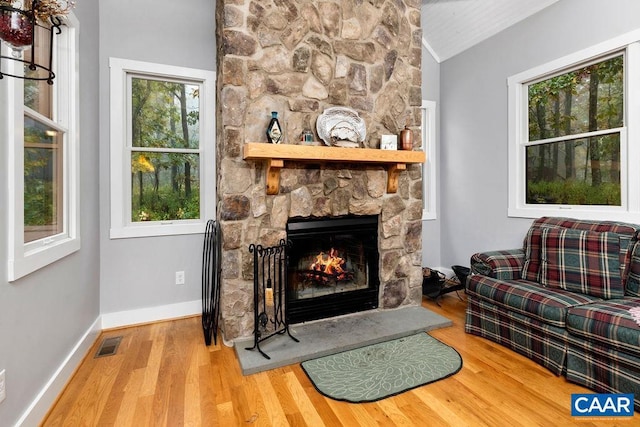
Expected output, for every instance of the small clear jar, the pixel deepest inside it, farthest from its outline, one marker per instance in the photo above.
(306, 137)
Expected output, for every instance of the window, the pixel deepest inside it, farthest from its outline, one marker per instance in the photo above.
(571, 146)
(162, 149)
(42, 159)
(429, 167)
(575, 122)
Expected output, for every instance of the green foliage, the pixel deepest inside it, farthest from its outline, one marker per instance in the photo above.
(573, 193)
(569, 170)
(165, 184)
(159, 190)
(166, 205)
(559, 105)
(38, 202)
(40, 183)
(157, 119)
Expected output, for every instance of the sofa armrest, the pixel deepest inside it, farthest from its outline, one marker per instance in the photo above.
(503, 265)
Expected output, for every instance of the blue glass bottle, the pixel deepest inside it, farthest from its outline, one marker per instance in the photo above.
(274, 131)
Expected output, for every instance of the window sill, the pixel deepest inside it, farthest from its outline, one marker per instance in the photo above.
(156, 229)
(36, 259)
(597, 213)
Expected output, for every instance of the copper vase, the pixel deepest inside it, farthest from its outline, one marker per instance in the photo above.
(406, 139)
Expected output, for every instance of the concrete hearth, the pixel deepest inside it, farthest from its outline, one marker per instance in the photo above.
(330, 336)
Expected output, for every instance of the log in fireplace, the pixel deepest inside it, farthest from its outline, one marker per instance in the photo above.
(332, 267)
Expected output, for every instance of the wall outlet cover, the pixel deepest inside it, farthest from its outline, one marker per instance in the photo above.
(179, 277)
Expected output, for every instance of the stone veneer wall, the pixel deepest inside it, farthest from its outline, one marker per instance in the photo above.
(298, 57)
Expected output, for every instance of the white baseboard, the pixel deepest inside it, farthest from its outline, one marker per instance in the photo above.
(150, 314)
(38, 409)
(45, 399)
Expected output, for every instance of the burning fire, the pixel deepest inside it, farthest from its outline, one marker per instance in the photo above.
(331, 266)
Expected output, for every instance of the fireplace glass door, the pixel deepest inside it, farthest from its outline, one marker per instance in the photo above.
(332, 267)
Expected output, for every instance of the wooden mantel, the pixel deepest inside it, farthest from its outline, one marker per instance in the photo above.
(276, 154)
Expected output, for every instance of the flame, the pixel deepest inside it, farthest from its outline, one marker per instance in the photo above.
(332, 265)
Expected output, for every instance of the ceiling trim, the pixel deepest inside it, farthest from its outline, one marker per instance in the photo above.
(432, 52)
(453, 26)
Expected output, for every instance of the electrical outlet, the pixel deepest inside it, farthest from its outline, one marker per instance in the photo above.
(3, 386)
(179, 277)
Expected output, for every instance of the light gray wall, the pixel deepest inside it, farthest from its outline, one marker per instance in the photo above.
(473, 161)
(45, 314)
(139, 273)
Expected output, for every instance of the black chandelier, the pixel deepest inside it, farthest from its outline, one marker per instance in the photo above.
(19, 27)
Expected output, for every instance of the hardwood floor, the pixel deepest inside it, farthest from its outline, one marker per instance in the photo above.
(164, 375)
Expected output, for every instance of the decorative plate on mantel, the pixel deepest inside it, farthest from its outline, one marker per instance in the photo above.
(341, 127)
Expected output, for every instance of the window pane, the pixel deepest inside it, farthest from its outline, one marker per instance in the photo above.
(577, 172)
(42, 181)
(584, 100)
(164, 114)
(38, 93)
(165, 186)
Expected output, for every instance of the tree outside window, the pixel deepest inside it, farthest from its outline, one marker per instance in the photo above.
(575, 120)
(43, 205)
(165, 165)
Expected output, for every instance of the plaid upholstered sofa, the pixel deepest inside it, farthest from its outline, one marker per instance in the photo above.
(564, 301)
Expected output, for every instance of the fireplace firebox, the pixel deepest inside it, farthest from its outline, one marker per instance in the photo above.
(332, 267)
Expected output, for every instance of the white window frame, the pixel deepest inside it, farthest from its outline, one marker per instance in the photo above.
(26, 258)
(120, 139)
(629, 210)
(429, 167)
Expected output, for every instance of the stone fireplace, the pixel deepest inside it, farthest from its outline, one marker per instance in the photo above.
(298, 57)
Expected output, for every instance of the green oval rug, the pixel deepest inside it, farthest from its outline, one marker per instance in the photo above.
(381, 370)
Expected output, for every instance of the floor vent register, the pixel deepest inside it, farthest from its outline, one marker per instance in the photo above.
(108, 347)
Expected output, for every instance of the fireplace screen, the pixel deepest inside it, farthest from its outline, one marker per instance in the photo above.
(332, 268)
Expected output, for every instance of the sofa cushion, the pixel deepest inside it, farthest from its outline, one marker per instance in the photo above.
(597, 226)
(581, 261)
(608, 322)
(533, 240)
(504, 265)
(532, 243)
(529, 298)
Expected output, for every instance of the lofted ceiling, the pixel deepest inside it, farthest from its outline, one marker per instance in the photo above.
(452, 26)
